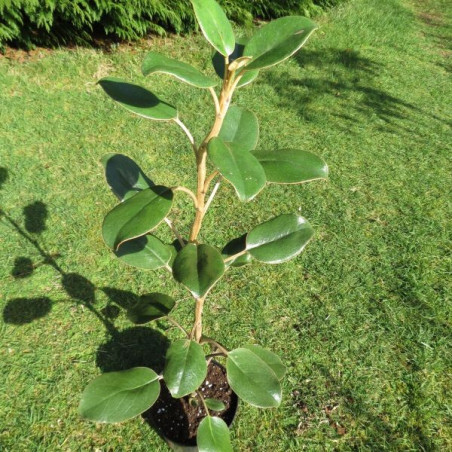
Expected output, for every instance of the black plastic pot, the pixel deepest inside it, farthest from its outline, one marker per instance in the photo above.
(170, 417)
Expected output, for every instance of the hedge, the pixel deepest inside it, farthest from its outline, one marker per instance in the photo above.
(26, 23)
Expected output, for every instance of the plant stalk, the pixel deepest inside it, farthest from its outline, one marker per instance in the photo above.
(201, 154)
(221, 108)
(196, 333)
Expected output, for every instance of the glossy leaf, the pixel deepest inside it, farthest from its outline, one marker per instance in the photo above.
(237, 166)
(290, 166)
(198, 267)
(277, 41)
(213, 435)
(252, 379)
(279, 239)
(185, 368)
(272, 360)
(146, 252)
(124, 176)
(236, 246)
(138, 100)
(150, 307)
(137, 215)
(219, 63)
(118, 396)
(156, 62)
(215, 25)
(240, 126)
(214, 404)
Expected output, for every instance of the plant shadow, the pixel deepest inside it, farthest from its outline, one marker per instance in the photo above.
(81, 290)
(133, 347)
(351, 84)
(20, 311)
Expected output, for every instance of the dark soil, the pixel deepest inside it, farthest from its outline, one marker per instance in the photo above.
(178, 419)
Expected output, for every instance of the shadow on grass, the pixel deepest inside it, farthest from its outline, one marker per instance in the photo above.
(351, 79)
(3, 176)
(24, 310)
(347, 403)
(133, 347)
(136, 346)
(439, 31)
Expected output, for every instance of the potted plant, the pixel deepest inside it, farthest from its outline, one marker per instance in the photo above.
(227, 153)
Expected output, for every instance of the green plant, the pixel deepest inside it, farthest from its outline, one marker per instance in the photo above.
(229, 150)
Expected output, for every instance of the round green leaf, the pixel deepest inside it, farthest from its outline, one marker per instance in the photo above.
(156, 62)
(272, 360)
(150, 307)
(252, 379)
(215, 25)
(214, 404)
(185, 368)
(218, 63)
(138, 100)
(236, 246)
(146, 252)
(198, 267)
(277, 41)
(237, 166)
(213, 435)
(290, 166)
(124, 176)
(240, 126)
(118, 396)
(279, 239)
(137, 215)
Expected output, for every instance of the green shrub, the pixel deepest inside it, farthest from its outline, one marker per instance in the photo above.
(27, 23)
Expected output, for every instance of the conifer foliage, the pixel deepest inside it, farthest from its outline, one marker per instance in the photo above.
(27, 23)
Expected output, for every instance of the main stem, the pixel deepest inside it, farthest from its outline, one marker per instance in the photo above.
(201, 162)
(196, 333)
(201, 154)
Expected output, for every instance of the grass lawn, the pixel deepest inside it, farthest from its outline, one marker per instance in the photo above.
(361, 318)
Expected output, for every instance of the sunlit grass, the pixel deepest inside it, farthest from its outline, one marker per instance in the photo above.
(362, 318)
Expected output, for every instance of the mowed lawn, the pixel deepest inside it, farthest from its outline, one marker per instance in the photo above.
(361, 318)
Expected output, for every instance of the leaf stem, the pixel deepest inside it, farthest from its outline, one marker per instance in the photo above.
(203, 402)
(189, 192)
(187, 132)
(178, 325)
(209, 180)
(214, 355)
(175, 232)
(235, 256)
(212, 195)
(209, 340)
(215, 100)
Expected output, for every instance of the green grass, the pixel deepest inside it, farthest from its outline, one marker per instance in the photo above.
(362, 318)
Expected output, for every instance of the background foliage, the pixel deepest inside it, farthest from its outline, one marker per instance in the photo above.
(48, 22)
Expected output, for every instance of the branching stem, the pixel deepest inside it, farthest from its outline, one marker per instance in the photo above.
(203, 182)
